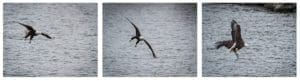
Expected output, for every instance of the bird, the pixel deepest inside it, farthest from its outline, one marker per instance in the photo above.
(236, 43)
(31, 32)
(139, 38)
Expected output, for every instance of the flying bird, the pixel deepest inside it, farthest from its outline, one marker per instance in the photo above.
(236, 43)
(139, 38)
(32, 32)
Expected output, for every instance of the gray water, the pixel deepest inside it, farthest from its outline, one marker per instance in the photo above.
(169, 28)
(71, 52)
(271, 39)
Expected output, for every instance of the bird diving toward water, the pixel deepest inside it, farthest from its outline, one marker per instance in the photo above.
(236, 43)
(32, 32)
(139, 38)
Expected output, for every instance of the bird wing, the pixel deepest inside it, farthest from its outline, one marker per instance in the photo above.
(235, 31)
(46, 35)
(27, 26)
(228, 44)
(150, 48)
(135, 27)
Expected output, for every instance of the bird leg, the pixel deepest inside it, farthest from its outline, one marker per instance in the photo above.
(132, 38)
(233, 46)
(236, 49)
(26, 36)
(237, 56)
(30, 38)
(137, 42)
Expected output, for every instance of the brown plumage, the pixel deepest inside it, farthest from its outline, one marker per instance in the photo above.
(236, 43)
(32, 32)
(139, 38)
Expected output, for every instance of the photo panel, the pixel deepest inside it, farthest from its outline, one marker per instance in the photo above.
(149, 39)
(249, 40)
(50, 40)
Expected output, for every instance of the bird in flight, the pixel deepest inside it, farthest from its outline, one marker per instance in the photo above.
(32, 32)
(139, 38)
(236, 43)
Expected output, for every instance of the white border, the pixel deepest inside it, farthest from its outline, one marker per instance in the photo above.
(100, 38)
(1, 40)
(199, 40)
(100, 78)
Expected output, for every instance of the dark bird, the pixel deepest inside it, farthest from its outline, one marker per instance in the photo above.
(236, 43)
(32, 32)
(139, 38)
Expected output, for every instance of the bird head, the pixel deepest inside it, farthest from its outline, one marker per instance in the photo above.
(246, 44)
(38, 32)
(141, 37)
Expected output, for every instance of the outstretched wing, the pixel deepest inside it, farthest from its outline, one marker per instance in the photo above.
(46, 35)
(236, 31)
(150, 48)
(228, 44)
(135, 27)
(27, 26)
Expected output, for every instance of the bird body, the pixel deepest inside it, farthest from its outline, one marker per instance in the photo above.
(139, 38)
(236, 43)
(31, 32)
